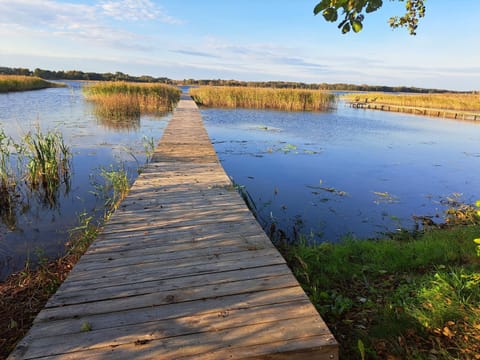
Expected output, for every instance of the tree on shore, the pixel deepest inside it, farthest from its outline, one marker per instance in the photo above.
(354, 13)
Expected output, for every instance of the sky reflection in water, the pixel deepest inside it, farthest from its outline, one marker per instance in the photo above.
(348, 172)
(94, 143)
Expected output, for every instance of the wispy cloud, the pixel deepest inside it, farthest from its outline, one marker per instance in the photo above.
(136, 10)
(81, 22)
(195, 53)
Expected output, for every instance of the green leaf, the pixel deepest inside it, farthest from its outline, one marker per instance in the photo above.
(357, 26)
(373, 5)
(317, 9)
(322, 5)
(330, 14)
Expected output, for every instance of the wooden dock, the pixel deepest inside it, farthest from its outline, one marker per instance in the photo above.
(443, 113)
(181, 271)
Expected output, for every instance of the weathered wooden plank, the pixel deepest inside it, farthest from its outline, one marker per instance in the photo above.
(79, 295)
(259, 339)
(154, 254)
(151, 273)
(167, 297)
(57, 327)
(167, 328)
(149, 241)
(88, 271)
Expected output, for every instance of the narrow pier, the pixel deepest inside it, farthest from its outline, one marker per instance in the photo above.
(415, 110)
(182, 270)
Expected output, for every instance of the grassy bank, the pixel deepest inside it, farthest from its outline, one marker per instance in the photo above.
(448, 101)
(122, 99)
(10, 83)
(415, 298)
(263, 98)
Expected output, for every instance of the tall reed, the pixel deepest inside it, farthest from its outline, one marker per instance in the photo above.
(8, 182)
(114, 100)
(48, 163)
(22, 83)
(263, 98)
(450, 101)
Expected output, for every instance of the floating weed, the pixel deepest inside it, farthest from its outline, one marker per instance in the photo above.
(268, 128)
(289, 147)
(384, 197)
(326, 189)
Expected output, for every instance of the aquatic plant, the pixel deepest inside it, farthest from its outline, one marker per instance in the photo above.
(9, 178)
(263, 98)
(10, 83)
(48, 163)
(114, 100)
(149, 146)
(114, 188)
(451, 101)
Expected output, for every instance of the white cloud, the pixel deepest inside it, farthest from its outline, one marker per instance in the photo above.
(136, 10)
(93, 25)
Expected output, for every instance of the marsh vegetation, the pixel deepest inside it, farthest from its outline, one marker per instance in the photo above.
(263, 98)
(124, 101)
(11, 83)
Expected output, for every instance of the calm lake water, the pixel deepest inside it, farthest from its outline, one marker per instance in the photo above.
(95, 144)
(351, 171)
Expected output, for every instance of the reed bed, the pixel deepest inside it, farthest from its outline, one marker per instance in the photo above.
(263, 98)
(116, 100)
(10, 83)
(48, 163)
(39, 163)
(447, 101)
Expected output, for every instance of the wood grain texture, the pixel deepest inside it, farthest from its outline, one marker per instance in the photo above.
(181, 271)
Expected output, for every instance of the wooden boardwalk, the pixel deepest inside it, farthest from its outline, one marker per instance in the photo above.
(181, 271)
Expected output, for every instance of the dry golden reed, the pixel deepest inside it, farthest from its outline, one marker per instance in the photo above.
(124, 99)
(263, 98)
(447, 101)
(23, 83)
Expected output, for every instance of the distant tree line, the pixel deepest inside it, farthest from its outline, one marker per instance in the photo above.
(119, 76)
(320, 86)
(80, 75)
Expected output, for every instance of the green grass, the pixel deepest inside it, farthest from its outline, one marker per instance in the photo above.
(409, 299)
(263, 98)
(120, 100)
(10, 83)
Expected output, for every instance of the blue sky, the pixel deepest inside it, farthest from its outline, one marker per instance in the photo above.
(253, 40)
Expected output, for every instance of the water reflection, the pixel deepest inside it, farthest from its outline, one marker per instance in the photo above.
(354, 172)
(39, 220)
(131, 123)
